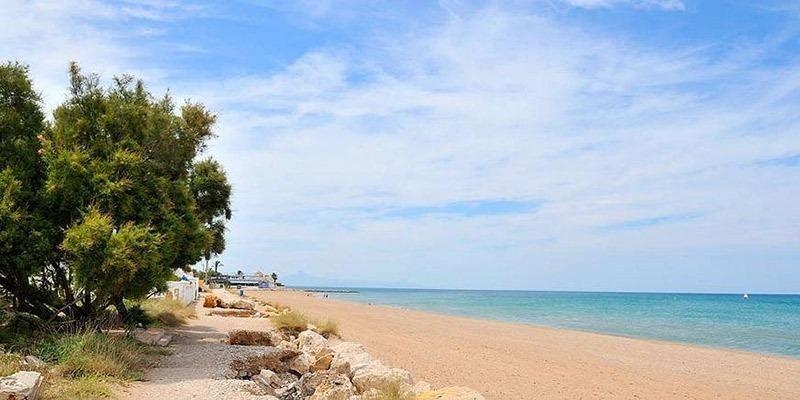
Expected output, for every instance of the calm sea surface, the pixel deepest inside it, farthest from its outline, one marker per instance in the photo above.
(764, 323)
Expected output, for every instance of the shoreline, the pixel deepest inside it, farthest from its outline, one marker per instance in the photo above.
(556, 328)
(521, 360)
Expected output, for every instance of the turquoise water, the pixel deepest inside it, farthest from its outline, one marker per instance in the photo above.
(764, 323)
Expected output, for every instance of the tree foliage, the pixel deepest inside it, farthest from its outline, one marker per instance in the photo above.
(106, 201)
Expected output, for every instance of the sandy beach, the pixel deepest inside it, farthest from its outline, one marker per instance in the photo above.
(516, 361)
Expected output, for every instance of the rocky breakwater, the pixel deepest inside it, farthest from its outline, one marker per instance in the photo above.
(309, 366)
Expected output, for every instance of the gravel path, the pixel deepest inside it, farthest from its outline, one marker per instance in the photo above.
(199, 363)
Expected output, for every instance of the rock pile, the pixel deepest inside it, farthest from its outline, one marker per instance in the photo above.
(310, 367)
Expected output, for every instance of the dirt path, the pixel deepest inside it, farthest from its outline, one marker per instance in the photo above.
(198, 365)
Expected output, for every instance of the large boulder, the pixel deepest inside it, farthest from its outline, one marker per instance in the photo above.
(450, 393)
(23, 385)
(349, 357)
(375, 375)
(311, 342)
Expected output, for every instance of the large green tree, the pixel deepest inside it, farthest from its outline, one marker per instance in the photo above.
(212, 192)
(101, 204)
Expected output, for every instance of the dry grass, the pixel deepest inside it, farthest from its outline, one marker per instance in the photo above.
(95, 354)
(83, 388)
(167, 312)
(391, 392)
(327, 328)
(9, 364)
(250, 338)
(290, 321)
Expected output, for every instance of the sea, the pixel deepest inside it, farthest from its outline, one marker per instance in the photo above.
(762, 323)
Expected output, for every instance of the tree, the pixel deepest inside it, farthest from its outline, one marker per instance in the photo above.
(274, 277)
(212, 192)
(99, 206)
(217, 265)
(27, 238)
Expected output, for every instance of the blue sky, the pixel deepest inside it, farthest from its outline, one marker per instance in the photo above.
(638, 145)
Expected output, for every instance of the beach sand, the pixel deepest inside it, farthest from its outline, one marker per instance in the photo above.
(517, 361)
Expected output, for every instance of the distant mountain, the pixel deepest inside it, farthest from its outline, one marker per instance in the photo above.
(301, 278)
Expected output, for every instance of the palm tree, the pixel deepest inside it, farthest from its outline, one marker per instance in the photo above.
(217, 264)
(274, 277)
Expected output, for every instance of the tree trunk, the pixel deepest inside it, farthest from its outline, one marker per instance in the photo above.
(122, 310)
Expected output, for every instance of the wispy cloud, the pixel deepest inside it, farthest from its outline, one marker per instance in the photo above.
(474, 208)
(652, 221)
(671, 5)
(786, 161)
(422, 146)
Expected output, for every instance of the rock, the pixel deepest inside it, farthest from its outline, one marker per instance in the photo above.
(164, 341)
(269, 380)
(311, 342)
(273, 359)
(270, 309)
(210, 301)
(301, 363)
(349, 357)
(149, 336)
(23, 385)
(250, 338)
(340, 389)
(375, 375)
(242, 304)
(322, 362)
(34, 362)
(325, 385)
(285, 344)
(450, 393)
(230, 312)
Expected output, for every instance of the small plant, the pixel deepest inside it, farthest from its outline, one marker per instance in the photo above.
(327, 328)
(250, 338)
(87, 387)
(292, 322)
(167, 312)
(9, 364)
(390, 392)
(91, 353)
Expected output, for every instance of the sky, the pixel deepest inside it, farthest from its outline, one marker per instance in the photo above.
(609, 145)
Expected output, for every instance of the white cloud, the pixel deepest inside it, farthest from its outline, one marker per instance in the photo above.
(502, 106)
(672, 5)
(490, 105)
